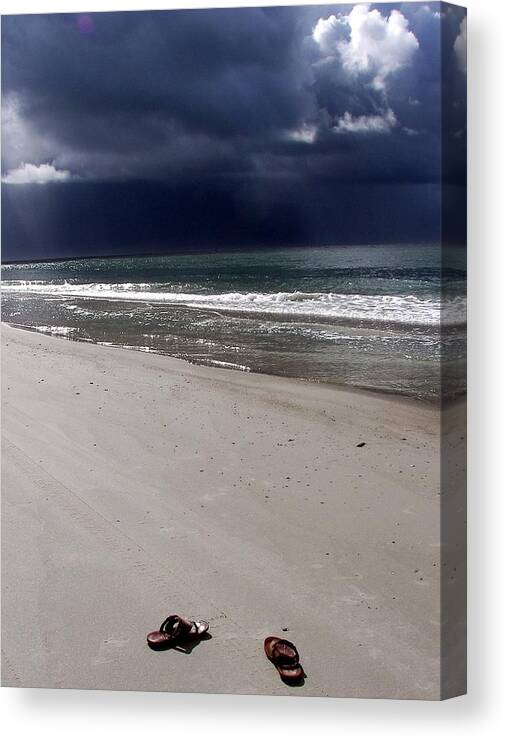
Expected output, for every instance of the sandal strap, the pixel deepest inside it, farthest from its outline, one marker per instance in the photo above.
(171, 626)
(176, 626)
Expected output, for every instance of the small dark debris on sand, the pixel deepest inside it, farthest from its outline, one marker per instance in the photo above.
(361, 444)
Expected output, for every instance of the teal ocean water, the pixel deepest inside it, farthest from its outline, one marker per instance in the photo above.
(376, 317)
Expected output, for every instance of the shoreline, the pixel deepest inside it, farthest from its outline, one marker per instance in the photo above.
(435, 403)
(141, 485)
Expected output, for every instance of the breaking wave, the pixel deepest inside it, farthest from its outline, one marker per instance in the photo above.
(400, 309)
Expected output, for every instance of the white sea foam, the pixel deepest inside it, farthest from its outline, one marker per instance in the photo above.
(60, 331)
(405, 309)
(230, 365)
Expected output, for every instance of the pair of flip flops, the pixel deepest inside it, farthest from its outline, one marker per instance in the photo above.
(176, 630)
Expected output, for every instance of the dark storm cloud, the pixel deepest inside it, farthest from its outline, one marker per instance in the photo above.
(245, 125)
(151, 93)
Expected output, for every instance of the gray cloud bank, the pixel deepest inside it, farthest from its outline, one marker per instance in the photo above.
(249, 126)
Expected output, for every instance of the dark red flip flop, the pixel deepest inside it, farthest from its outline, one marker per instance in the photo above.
(176, 630)
(284, 656)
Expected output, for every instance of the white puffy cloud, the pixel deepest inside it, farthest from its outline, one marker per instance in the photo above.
(460, 46)
(327, 33)
(40, 174)
(21, 140)
(368, 42)
(379, 124)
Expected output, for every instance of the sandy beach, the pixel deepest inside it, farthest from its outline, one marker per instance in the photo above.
(137, 485)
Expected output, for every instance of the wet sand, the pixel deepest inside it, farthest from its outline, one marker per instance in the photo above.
(136, 485)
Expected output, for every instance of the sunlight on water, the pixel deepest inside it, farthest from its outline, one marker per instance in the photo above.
(363, 316)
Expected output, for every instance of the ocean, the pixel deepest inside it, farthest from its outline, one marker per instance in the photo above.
(365, 316)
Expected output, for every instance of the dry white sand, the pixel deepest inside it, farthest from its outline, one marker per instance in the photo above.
(136, 485)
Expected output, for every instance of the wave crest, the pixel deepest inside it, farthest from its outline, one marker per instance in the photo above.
(401, 309)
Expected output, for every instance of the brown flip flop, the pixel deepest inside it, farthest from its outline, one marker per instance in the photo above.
(175, 630)
(284, 656)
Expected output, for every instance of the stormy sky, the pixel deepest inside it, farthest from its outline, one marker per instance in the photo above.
(162, 131)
